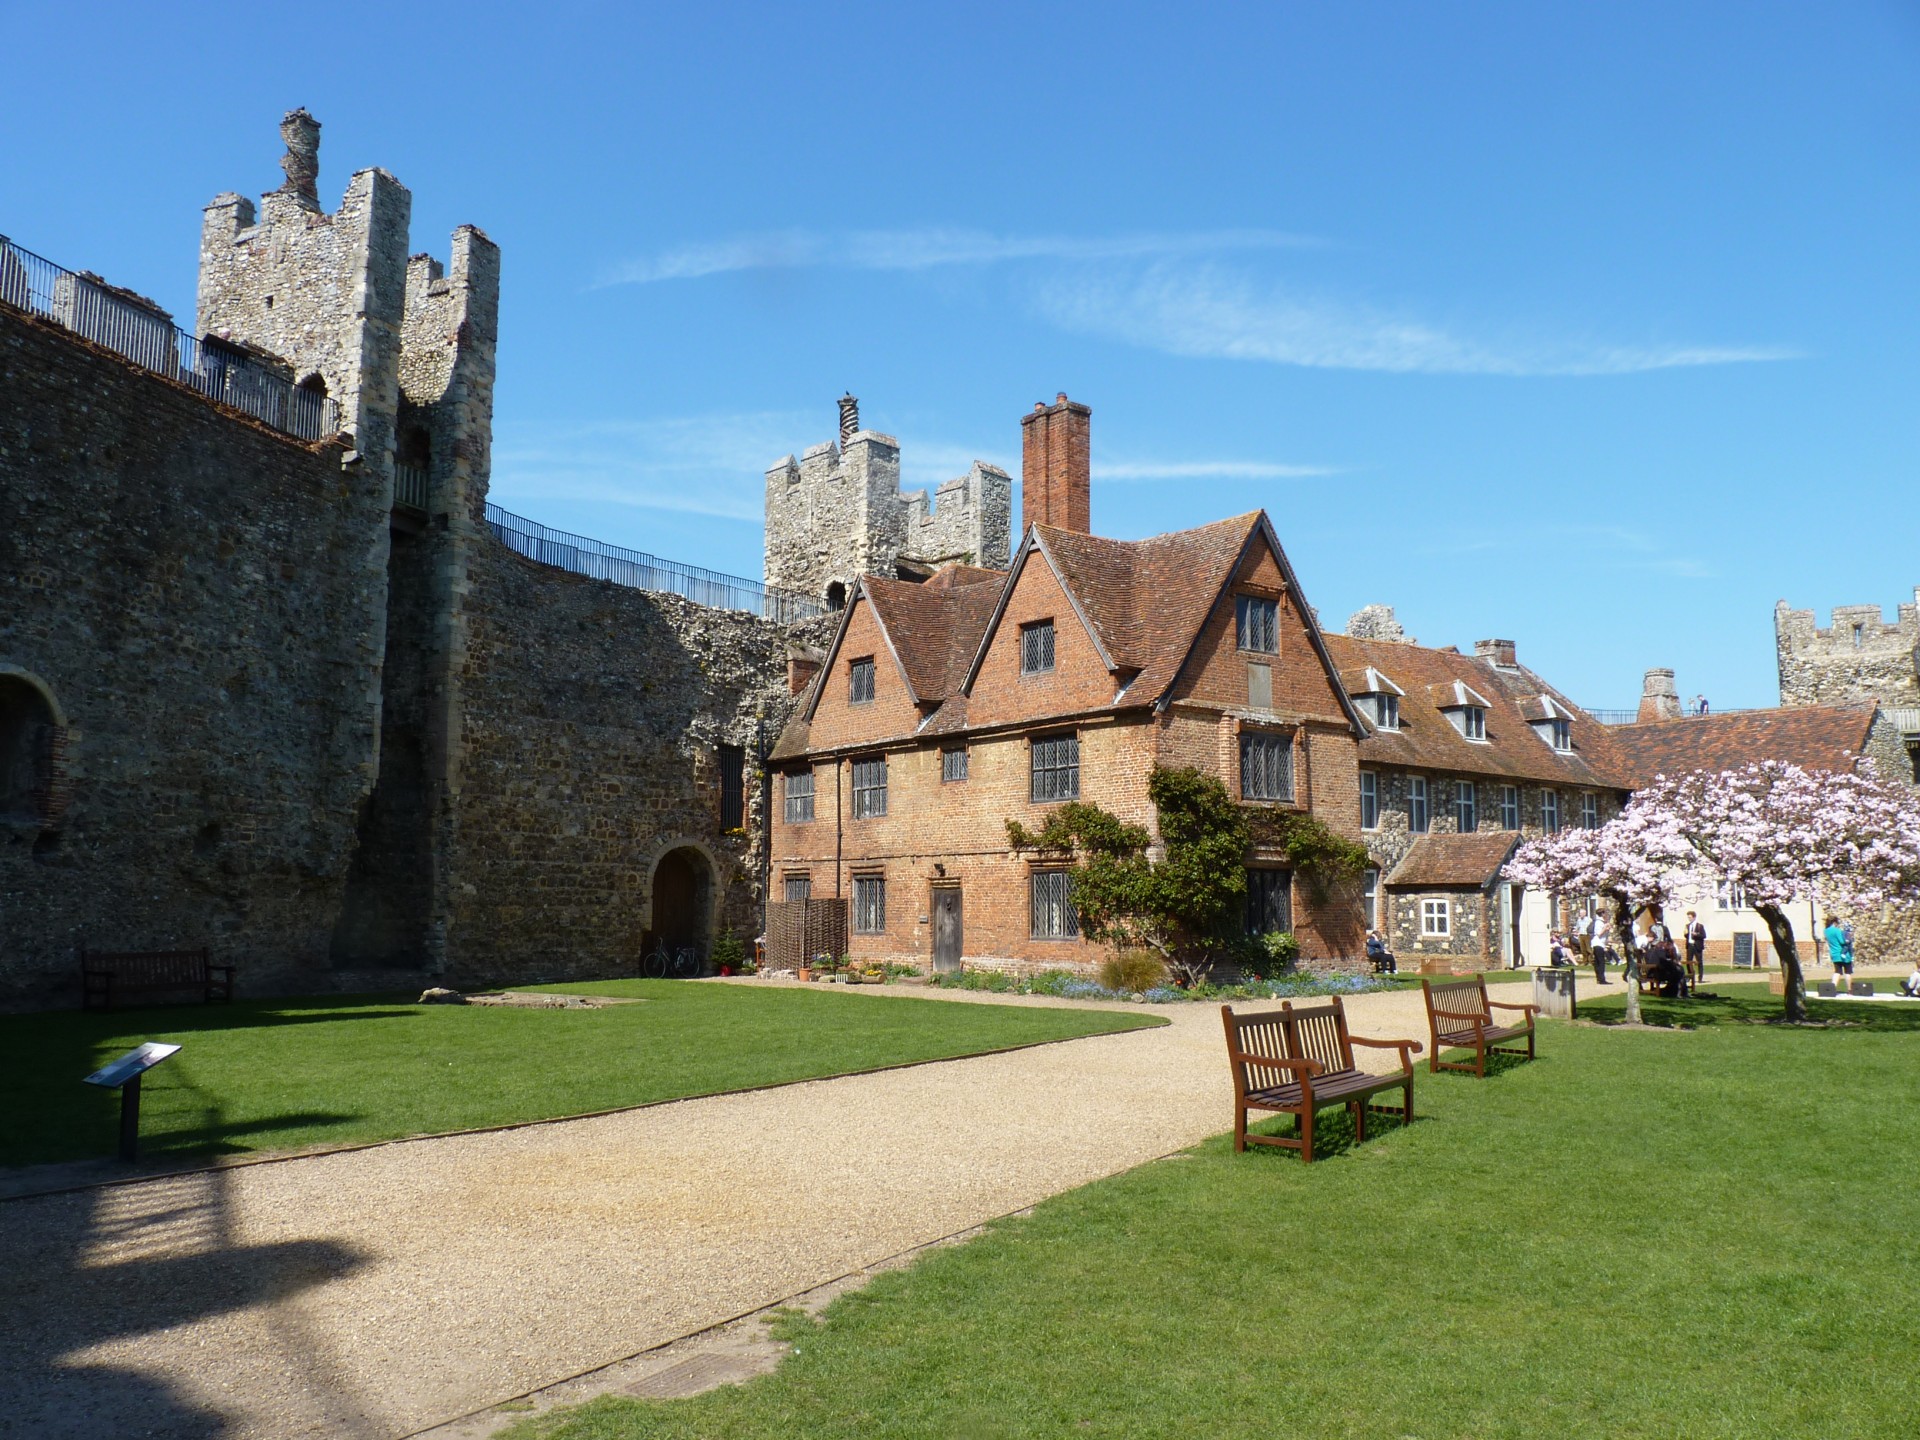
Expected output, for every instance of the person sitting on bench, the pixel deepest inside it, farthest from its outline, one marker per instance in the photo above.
(1381, 957)
(1911, 985)
(1664, 975)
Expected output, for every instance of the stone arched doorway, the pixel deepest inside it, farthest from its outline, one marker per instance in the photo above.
(30, 730)
(683, 898)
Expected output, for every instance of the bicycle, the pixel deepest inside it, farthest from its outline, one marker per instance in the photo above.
(680, 963)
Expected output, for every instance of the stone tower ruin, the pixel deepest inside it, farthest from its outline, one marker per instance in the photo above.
(1858, 658)
(838, 513)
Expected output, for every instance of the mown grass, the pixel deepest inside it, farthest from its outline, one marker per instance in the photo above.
(282, 1074)
(1704, 1233)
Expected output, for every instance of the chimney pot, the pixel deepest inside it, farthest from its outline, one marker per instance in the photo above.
(1056, 466)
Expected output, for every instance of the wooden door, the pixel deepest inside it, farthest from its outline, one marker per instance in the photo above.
(946, 930)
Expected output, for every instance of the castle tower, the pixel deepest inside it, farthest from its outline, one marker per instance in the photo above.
(1859, 658)
(838, 513)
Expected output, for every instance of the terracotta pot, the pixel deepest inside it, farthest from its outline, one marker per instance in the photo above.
(806, 973)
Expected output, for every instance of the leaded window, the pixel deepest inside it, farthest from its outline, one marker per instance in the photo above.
(869, 904)
(1269, 901)
(799, 797)
(1266, 766)
(870, 788)
(1054, 918)
(799, 887)
(860, 681)
(953, 765)
(1036, 647)
(1258, 623)
(1056, 769)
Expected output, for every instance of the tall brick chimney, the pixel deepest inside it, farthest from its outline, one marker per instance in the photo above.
(1055, 468)
(1500, 652)
(1658, 699)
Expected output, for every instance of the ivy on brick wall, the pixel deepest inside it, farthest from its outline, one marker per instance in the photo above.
(1315, 853)
(1172, 905)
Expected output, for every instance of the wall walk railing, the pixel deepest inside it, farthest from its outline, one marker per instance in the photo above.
(146, 335)
(648, 572)
(410, 487)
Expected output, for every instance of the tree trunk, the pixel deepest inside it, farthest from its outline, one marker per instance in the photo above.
(1629, 962)
(1781, 929)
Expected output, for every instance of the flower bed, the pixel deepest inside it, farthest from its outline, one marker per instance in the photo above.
(1066, 985)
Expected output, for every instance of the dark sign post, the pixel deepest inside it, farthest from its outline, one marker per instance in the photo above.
(124, 1075)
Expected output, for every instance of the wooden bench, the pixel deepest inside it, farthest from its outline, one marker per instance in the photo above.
(105, 975)
(1460, 1017)
(1301, 1060)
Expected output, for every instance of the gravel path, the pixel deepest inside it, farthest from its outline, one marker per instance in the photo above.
(376, 1292)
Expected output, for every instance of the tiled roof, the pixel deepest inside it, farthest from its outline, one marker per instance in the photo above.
(1426, 739)
(1816, 737)
(1454, 859)
(935, 629)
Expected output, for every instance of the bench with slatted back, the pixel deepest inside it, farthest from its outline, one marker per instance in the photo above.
(109, 975)
(1460, 1017)
(1297, 1061)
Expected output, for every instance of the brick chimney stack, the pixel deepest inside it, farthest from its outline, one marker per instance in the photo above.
(1658, 699)
(1056, 478)
(1501, 652)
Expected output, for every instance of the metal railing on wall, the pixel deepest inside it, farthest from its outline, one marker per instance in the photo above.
(109, 316)
(647, 572)
(410, 487)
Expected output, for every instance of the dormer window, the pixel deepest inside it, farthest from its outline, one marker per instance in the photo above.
(1464, 707)
(1386, 711)
(1551, 721)
(1473, 723)
(1377, 697)
(1562, 735)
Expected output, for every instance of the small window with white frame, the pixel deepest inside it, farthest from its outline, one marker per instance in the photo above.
(1386, 711)
(1370, 898)
(1418, 819)
(1436, 917)
(1509, 807)
(1473, 723)
(1550, 811)
(1589, 811)
(1562, 734)
(1369, 800)
(1729, 895)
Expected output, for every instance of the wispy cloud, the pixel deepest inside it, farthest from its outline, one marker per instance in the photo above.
(928, 248)
(1601, 547)
(1205, 312)
(697, 465)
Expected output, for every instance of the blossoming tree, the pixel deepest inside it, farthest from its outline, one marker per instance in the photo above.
(1775, 830)
(1632, 861)
(1781, 833)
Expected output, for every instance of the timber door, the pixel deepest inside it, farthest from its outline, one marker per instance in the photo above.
(946, 930)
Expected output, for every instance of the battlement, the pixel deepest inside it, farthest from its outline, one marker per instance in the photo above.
(338, 298)
(1860, 656)
(838, 513)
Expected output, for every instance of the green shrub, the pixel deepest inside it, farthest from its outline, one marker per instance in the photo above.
(730, 950)
(1130, 970)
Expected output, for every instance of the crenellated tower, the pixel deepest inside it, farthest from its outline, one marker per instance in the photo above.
(1859, 657)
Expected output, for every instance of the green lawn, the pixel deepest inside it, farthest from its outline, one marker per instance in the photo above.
(1705, 1233)
(278, 1074)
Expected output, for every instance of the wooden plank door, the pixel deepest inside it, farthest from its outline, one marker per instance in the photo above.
(946, 930)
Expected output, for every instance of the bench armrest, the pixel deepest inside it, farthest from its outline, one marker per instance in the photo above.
(1303, 1068)
(1405, 1047)
(1503, 1005)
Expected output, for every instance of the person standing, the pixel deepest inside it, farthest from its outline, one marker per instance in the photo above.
(1837, 951)
(1696, 938)
(1597, 941)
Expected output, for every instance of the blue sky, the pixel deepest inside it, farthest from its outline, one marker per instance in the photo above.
(1589, 326)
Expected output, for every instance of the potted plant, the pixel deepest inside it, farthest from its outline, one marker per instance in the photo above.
(729, 954)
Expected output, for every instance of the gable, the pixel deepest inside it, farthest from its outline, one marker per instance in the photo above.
(1217, 671)
(1079, 680)
(836, 720)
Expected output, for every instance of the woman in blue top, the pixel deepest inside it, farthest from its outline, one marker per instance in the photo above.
(1838, 950)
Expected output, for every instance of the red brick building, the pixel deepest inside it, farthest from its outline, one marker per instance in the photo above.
(943, 709)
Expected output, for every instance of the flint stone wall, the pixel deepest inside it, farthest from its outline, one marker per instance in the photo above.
(203, 596)
(1858, 657)
(591, 719)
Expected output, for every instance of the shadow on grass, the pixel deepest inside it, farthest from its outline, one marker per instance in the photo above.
(216, 1138)
(1333, 1133)
(1708, 1009)
(1498, 1064)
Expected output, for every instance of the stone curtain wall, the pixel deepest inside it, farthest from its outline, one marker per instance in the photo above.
(203, 596)
(1827, 667)
(591, 721)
